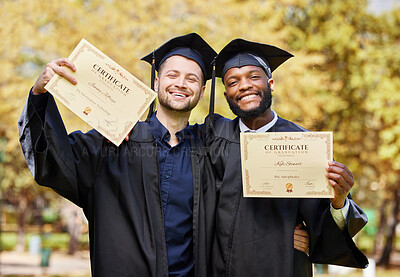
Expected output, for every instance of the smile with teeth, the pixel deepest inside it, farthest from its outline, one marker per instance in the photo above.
(248, 97)
(179, 94)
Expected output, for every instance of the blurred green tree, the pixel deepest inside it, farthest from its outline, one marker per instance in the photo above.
(352, 89)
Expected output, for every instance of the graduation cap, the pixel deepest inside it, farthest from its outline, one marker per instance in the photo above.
(240, 52)
(191, 46)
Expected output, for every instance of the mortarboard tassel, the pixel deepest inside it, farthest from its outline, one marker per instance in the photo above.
(212, 97)
(153, 76)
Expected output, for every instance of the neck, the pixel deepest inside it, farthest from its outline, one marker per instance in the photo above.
(174, 121)
(255, 123)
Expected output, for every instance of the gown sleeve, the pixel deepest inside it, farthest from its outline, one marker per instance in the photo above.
(328, 244)
(66, 163)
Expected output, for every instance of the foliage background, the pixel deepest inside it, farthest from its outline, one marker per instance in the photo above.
(344, 76)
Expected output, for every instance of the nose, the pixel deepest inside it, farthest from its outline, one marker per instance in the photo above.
(180, 82)
(244, 84)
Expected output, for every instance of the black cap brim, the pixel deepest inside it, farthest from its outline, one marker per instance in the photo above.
(273, 55)
(192, 41)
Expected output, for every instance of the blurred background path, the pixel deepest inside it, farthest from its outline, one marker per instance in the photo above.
(25, 264)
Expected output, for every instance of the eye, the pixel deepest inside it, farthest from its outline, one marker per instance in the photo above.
(254, 77)
(192, 79)
(172, 75)
(231, 83)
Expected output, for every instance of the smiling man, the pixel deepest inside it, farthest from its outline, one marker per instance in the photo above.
(180, 86)
(254, 235)
(181, 79)
(146, 201)
(183, 66)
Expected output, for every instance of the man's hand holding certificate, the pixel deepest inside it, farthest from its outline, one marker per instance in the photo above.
(286, 164)
(100, 92)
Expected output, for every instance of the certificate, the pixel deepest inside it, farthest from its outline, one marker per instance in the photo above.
(107, 97)
(286, 164)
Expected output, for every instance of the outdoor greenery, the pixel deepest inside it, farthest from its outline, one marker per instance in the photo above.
(344, 78)
(53, 241)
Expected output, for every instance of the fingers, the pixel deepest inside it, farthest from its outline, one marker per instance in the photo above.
(342, 180)
(301, 240)
(301, 235)
(64, 62)
(339, 175)
(338, 170)
(301, 246)
(59, 67)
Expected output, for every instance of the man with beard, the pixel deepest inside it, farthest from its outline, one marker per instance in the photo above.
(254, 235)
(146, 201)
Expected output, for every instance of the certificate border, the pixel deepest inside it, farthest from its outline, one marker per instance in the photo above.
(327, 137)
(249, 192)
(84, 44)
(149, 95)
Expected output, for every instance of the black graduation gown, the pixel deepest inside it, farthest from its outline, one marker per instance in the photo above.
(254, 236)
(118, 189)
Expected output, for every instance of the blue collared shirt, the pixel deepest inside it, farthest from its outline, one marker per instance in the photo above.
(176, 183)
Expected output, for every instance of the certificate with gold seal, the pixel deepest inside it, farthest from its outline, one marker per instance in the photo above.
(286, 164)
(107, 97)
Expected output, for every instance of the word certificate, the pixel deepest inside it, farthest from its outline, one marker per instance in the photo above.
(286, 164)
(107, 97)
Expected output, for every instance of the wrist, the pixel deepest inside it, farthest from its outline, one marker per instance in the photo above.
(34, 92)
(338, 204)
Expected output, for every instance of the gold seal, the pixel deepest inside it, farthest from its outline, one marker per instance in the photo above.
(87, 110)
(289, 187)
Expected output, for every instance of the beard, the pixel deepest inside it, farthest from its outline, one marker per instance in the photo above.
(170, 105)
(265, 104)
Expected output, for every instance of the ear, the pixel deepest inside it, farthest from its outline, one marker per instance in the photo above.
(156, 83)
(203, 89)
(271, 84)
(225, 94)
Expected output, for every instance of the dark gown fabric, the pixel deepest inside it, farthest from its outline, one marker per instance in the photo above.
(118, 190)
(254, 236)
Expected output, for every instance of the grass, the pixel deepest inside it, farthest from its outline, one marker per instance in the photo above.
(54, 241)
